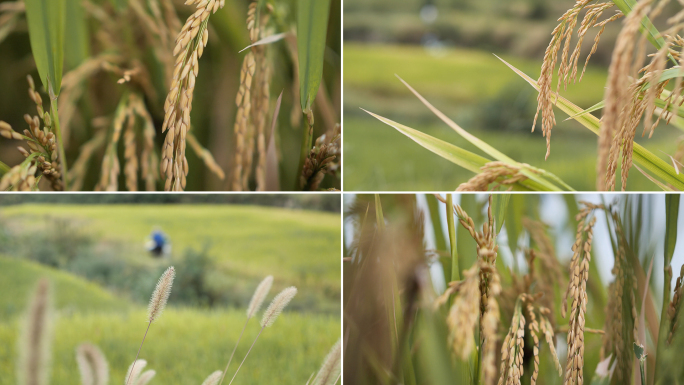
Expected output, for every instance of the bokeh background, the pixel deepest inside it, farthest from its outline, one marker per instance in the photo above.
(222, 247)
(444, 49)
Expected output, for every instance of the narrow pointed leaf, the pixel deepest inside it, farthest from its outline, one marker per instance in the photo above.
(312, 26)
(46, 19)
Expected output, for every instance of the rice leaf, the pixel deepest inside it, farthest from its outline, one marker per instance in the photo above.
(76, 34)
(658, 183)
(266, 40)
(46, 20)
(378, 213)
(312, 26)
(4, 169)
(484, 146)
(499, 207)
(642, 156)
(448, 151)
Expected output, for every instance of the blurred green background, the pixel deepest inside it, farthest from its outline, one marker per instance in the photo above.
(444, 49)
(102, 278)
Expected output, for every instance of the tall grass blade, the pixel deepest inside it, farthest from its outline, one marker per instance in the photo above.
(499, 207)
(46, 20)
(312, 26)
(455, 272)
(76, 34)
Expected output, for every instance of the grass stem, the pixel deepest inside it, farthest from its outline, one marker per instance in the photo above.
(234, 349)
(60, 142)
(250, 349)
(137, 355)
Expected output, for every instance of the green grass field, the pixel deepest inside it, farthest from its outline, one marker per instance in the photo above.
(183, 346)
(298, 247)
(457, 81)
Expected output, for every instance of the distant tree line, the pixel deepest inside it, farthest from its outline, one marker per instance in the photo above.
(318, 202)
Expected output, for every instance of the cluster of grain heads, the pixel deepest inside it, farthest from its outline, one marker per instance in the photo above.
(324, 158)
(92, 365)
(190, 45)
(42, 155)
(464, 313)
(270, 315)
(254, 305)
(135, 374)
(36, 338)
(155, 308)
(330, 370)
(512, 349)
(562, 36)
(253, 101)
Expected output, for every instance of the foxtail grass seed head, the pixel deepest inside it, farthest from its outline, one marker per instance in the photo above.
(134, 371)
(36, 338)
(146, 377)
(330, 370)
(161, 294)
(276, 307)
(92, 365)
(213, 378)
(259, 296)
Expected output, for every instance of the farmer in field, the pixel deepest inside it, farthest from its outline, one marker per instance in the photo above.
(158, 244)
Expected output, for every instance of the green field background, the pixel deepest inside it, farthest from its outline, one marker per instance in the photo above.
(473, 88)
(187, 343)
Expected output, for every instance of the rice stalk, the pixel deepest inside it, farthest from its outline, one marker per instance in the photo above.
(206, 156)
(36, 338)
(155, 308)
(190, 44)
(674, 307)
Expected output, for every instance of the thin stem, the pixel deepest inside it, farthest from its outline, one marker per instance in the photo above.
(306, 146)
(136, 356)
(60, 143)
(234, 349)
(250, 349)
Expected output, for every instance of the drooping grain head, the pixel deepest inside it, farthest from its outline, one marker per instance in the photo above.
(464, 313)
(259, 296)
(675, 306)
(213, 378)
(92, 365)
(161, 294)
(330, 370)
(190, 45)
(560, 43)
(498, 174)
(36, 338)
(276, 307)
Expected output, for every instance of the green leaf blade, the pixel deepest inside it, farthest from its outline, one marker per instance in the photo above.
(312, 26)
(46, 21)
